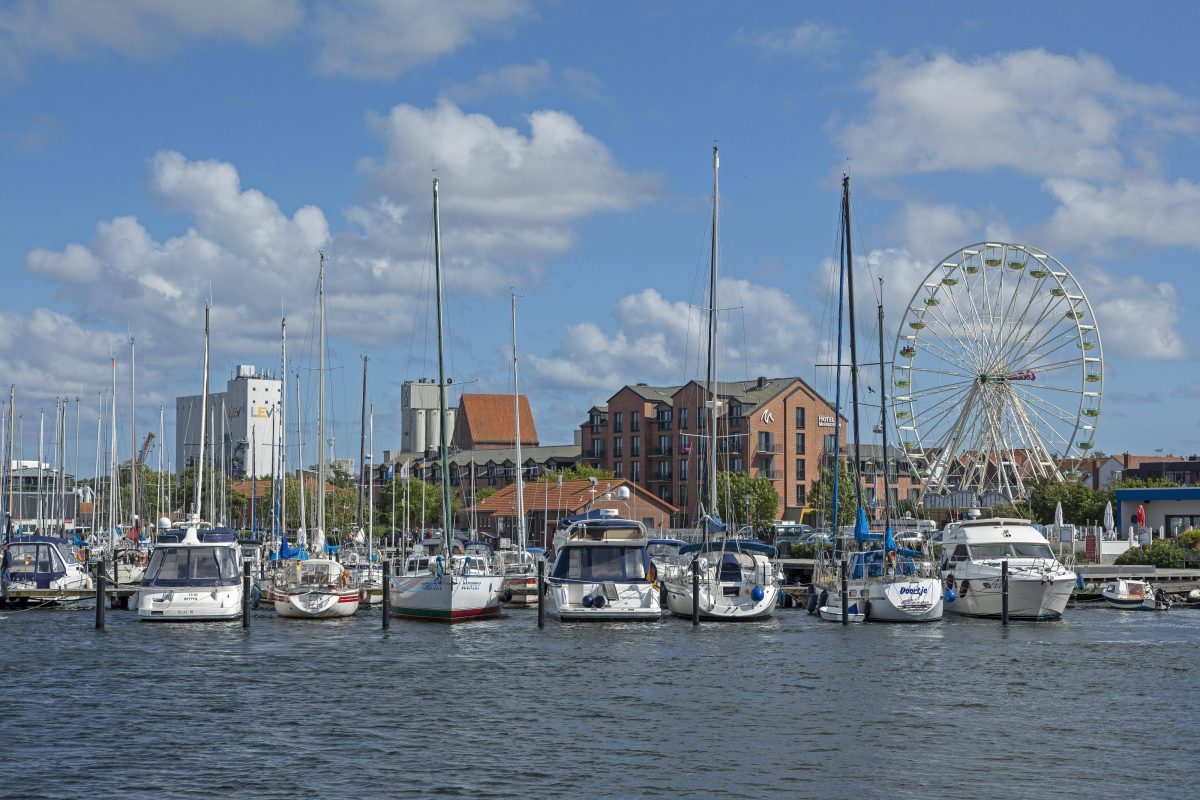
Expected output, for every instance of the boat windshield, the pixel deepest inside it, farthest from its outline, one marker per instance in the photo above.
(602, 564)
(192, 566)
(34, 557)
(987, 552)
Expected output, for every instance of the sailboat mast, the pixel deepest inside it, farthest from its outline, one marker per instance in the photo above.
(362, 444)
(837, 396)
(114, 479)
(321, 406)
(712, 354)
(282, 413)
(853, 340)
(12, 418)
(203, 418)
(887, 509)
(41, 472)
(302, 536)
(158, 495)
(447, 536)
(371, 496)
(134, 518)
(517, 429)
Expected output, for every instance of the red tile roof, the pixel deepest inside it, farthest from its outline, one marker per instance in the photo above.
(572, 495)
(487, 420)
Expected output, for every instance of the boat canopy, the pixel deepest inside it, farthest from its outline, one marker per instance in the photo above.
(666, 542)
(737, 545)
(598, 515)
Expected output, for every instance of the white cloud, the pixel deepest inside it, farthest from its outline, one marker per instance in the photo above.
(502, 190)
(658, 340)
(382, 38)
(1030, 111)
(931, 231)
(808, 40)
(1148, 210)
(139, 28)
(1137, 319)
(514, 79)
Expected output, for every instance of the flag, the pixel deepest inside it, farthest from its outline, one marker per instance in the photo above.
(404, 471)
(391, 473)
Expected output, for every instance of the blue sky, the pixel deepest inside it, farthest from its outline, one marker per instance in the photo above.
(151, 150)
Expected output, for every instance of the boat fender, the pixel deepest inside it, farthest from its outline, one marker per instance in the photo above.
(598, 601)
(866, 609)
(823, 599)
(81, 555)
(1079, 582)
(757, 594)
(964, 588)
(810, 602)
(506, 595)
(951, 595)
(587, 601)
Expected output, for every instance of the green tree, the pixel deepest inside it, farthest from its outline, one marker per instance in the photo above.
(1079, 503)
(821, 495)
(485, 493)
(418, 491)
(576, 472)
(1161, 553)
(733, 489)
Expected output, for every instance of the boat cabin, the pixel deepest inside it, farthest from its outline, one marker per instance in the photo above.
(38, 561)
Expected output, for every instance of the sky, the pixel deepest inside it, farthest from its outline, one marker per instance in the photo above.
(157, 153)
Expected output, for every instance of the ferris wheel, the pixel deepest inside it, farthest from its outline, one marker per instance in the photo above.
(997, 372)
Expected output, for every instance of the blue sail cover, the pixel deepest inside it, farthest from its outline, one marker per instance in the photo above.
(862, 531)
(716, 524)
(286, 552)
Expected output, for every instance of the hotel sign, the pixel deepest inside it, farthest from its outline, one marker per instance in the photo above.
(825, 422)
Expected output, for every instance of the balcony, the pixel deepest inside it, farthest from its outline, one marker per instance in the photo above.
(770, 474)
(661, 452)
(769, 448)
(660, 478)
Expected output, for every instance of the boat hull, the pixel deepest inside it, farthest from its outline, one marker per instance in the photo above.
(444, 598)
(220, 604)
(315, 604)
(634, 602)
(901, 600)
(1029, 599)
(716, 605)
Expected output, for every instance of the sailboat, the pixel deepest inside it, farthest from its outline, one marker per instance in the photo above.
(519, 566)
(738, 580)
(316, 588)
(195, 573)
(450, 587)
(885, 582)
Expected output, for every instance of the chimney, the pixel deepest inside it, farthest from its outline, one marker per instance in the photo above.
(761, 382)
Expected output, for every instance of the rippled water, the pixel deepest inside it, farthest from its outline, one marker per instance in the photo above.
(1101, 704)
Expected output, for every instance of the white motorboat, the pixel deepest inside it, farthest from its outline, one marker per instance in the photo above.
(738, 581)
(1134, 595)
(43, 567)
(194, 575)
(603, 570)
(973, 553)
(314, 588)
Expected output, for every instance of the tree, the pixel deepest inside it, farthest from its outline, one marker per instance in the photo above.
(732, 490)
(485, 493)
(821, 495)
(576, 472)
(418, 491)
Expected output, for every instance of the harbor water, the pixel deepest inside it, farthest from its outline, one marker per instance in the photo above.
(1103, 703)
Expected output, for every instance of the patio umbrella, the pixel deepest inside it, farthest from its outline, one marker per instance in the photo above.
(1058, 517)
(1141, 517)
(1109, 523)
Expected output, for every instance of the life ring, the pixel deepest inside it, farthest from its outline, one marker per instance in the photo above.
(81, 555)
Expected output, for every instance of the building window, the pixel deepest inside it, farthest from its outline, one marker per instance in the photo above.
(682, 494)
(618, 419)
(664, 446)
(664, 470)
(799, 494)
(683, 414)
(683, 469)
(766, 442)
(800, 417)
(869, 495)
(701, 417)
(635, 471)
(800, 441)
(831, 447)
(913, 495)
(618, 447)
(800, 475)
(665, 493)
(766, 468)
(635, 421)
(597, 448)
(735, 464)
(735, 415)
(893, 496)
(635, 446)
(619, 469)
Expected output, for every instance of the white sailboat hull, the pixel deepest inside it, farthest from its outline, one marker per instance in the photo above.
(445, 598)
(716, 603)
(316, 604)
(905, 600)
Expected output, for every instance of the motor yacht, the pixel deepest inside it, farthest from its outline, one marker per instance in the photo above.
(194, 575)
(602, 570)
(45, 564)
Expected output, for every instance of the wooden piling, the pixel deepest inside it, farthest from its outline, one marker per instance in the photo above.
(246, 595)
(541, 590)
(695, 591)
(100, 595)
(845, 594)
(386, 600)
(1004, 592)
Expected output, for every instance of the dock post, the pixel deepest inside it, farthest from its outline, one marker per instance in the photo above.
(541, 590)
(845, 595)
(1004, 592)
(100, 595)
(386, 599)
(695, 590)
(246, 595)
